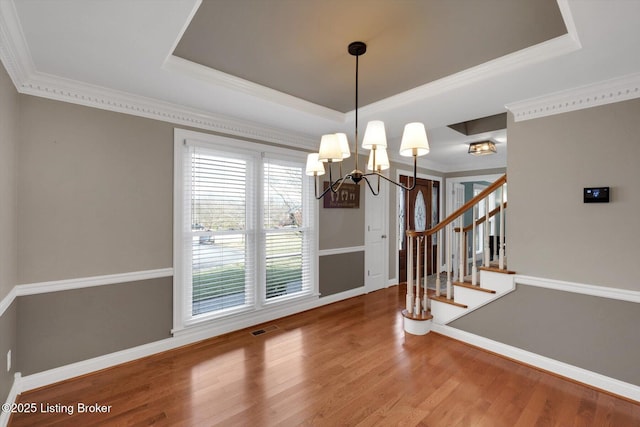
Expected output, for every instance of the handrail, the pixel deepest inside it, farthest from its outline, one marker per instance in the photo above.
(481, 220)
(484, 193)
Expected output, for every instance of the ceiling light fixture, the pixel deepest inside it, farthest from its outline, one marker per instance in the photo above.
(335, 147)
(482, 148)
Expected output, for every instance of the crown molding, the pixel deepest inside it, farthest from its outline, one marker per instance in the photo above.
(544, 51)
(588, 96)
(16, 57)
(211, 76)
(14, 51)
(541, 52)
(60, 89)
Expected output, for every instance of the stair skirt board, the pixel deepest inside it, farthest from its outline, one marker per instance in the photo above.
(501, 283)
(495, 281)
(471, 298)
(444, 313)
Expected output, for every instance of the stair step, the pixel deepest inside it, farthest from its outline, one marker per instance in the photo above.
(474, 287)
(425, 315)
(497, 270)
(447, 301)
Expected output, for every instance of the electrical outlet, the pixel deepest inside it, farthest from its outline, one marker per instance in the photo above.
(8, 360)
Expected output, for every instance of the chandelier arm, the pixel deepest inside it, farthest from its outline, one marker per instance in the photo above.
(330, 188)
(370, 187)
(404, 187)
(332, 183)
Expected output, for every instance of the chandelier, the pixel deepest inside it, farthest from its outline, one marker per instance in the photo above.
(334, 148)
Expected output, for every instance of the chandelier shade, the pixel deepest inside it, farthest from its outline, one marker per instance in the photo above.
(330, 150)
(374, 135)
(314, 166)
(381, 161)
(344, 145)
(414, 140)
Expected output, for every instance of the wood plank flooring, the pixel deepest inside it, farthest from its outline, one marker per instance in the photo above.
(348, 363)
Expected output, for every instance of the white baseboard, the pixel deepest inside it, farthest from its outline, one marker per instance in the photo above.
(575, 373)
(11, 398)
(51, 376)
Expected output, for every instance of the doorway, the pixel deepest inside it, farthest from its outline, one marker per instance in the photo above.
(419, 210)
(375, 238)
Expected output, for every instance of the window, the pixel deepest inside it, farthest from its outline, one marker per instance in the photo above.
(245, 235)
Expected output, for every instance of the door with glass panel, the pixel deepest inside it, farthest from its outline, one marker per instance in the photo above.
(419, 210)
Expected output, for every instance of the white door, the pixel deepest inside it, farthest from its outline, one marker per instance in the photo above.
(376, 259)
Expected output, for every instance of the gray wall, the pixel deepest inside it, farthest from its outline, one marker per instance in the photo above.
(59, 328)
(598, 334)
(339, 273)
(341, 228)
(8, 225)
(551, 160)
(8, 189)
(96, 192)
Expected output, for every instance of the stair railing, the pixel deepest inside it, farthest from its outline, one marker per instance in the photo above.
(498, 240)
(417, 302)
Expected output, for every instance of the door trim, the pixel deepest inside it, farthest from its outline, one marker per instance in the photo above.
(463, 179)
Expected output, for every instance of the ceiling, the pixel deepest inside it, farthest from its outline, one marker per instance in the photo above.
(300, 47)
(282, 65)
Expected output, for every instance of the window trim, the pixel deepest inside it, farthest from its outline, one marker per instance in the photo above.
(261, 304)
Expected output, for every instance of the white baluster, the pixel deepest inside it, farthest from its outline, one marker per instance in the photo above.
(439, 240)
(449, 240)
(417, 310)
(486, 233)
(463, 255)
(501, 256)
(425, 300)
(474, 268)
(410, 274)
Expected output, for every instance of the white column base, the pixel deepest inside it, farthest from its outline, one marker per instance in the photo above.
(417, 327)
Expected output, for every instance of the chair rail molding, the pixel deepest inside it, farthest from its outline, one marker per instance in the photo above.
(79, 283)
(580, 288)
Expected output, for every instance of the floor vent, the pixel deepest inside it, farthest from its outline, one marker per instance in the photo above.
(264, 330)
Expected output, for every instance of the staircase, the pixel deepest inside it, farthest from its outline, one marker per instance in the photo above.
(468, 287)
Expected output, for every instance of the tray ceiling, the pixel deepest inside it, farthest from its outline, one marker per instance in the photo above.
(300, 47)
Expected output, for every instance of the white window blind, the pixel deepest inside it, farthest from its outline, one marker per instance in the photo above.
(247, 221)
(287, 236)
(221, 219)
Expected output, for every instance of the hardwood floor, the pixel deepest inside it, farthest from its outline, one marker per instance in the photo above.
(348, 363)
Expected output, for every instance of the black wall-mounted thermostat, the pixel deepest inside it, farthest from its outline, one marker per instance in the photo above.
(596, 195)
